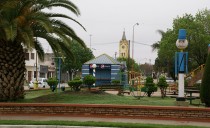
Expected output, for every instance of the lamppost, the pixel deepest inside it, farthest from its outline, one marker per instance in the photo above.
(90, 41)
(59, 71)
(36, 82)
(133, 45)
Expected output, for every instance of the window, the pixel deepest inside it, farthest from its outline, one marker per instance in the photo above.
(34, 74)
(32, 56)
(27, 56)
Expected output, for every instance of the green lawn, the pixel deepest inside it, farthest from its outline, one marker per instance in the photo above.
(91, 123)
(85, 97)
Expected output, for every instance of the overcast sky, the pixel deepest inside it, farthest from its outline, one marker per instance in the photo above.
(106, 20)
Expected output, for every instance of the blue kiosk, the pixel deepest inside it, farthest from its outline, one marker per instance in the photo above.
(105, 69)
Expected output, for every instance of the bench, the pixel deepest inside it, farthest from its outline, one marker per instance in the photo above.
(190, 98)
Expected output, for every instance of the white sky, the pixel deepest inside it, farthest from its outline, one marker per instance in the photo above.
(105, 20)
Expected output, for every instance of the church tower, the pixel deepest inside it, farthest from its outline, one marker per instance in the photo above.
(123, 47)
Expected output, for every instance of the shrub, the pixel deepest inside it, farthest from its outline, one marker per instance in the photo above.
(75, 84)
(52, 82)
(149, 87)
(162, 84)
(89, 80)
(205, 88)
(115, 81)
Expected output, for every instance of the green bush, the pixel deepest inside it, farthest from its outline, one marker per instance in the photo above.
(52, 82)
(162, 84)
(205, 88)
(115, 81)
(89, 80)
(75, 84)
(149, 86)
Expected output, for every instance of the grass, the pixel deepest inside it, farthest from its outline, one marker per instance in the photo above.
(91, 123)
(86, 97)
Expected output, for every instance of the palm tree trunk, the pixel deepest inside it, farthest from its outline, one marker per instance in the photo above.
(12, 68)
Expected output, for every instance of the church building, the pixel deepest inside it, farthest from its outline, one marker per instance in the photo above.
(124, 47)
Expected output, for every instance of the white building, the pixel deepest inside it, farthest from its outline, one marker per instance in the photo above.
(45, 69)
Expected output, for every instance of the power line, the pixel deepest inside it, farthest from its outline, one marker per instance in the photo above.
(118, 42)
(143, 43)
(107, 43)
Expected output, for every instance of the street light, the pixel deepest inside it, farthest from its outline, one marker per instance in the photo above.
(59, 70)
(36, 75)
(36, 82)
(90, 41)
(133, 45)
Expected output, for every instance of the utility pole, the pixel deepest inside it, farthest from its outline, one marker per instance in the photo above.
(133, 45)
(90, 41)
(128, 59)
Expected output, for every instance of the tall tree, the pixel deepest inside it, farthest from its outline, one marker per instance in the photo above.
(21, 23)
(130, 63)
(156, 46)
(81, 56)
(146, 69)
(198, 36)
(205, 88)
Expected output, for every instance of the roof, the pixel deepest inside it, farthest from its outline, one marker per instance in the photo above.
(103, 59)
(124, 37)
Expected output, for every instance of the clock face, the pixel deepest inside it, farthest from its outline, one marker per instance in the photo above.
(123, 47)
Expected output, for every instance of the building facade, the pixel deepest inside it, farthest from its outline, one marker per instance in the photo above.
(45, 69)
(124, 47)
(107, 69)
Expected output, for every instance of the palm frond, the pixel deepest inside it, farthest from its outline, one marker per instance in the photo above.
(155, 46)
(64, 16)
(65, 4)
(39, 49)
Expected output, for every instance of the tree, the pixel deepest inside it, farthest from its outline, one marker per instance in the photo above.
(89, 80)
(130, 62)
(81, 56)
(162, 84)
(149, 87)
(156, 46)
(75, 84)
(198, 36)
(146, 69)
(22, 23)
(205, 88)
(53, 83)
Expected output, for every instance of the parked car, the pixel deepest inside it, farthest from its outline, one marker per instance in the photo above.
(42, 83)
(169, 80)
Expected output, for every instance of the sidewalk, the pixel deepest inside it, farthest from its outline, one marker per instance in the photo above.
(84, 119)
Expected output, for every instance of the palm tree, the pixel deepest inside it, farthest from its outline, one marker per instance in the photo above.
(156, 45)
(21, 23)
